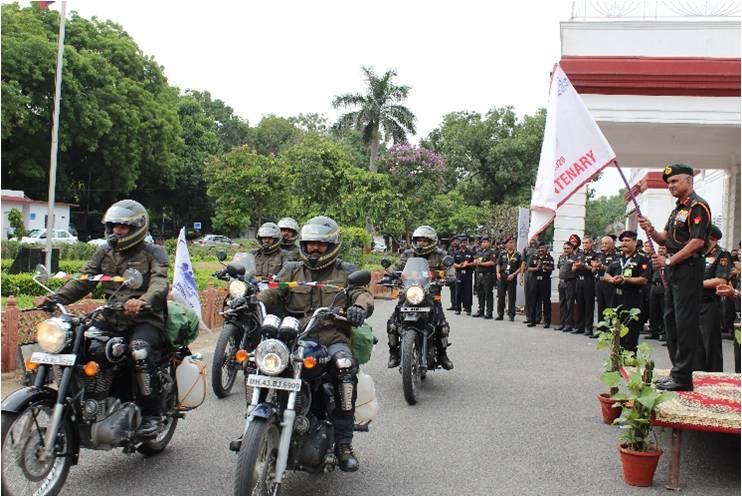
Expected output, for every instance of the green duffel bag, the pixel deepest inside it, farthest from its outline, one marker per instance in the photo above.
(362, 343)
(181, 326)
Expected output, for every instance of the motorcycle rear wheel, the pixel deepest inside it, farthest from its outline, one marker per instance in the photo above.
(23, 433)
(411, 374)
(154, 447)
(256, 461)
(223, 367)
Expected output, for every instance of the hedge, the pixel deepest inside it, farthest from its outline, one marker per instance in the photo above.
(23, 284)
(67, 251)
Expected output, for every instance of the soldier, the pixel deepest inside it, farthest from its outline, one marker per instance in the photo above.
(526, 278)
(485, 268)
(657, 303)
(453, 249)
(642, 249)
(464, 268)
(586, 267)
(508, 267)
(541, 267)
(605, 290)
(269, 258)
(718, 267)
(685, 236)
(289, 236)
(567, 283)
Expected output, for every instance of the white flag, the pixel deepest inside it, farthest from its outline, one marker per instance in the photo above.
(185, 289)
(574, 150)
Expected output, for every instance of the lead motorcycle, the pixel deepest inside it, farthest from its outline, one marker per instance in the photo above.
(93, 406)
(289, 420)
(416, 318)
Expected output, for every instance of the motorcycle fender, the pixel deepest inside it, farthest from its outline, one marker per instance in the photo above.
(411, 317)
(264, 411)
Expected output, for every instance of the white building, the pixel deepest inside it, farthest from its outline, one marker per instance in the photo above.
(34, 212)
(662, 79)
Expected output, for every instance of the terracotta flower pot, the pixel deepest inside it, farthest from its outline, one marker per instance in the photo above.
(606, 407)
(639, 467)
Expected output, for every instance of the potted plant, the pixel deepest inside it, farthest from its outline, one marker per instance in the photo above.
(612, 328)
(638, 444)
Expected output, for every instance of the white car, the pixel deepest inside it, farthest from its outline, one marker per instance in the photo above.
(38, 236)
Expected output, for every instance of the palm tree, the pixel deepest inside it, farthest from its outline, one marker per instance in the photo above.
(378, 115)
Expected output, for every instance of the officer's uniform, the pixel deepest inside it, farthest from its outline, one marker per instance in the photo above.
(290, 251)
(604, 290)
(567, 290)
(528, 253)
(540, 288)
(711, 310)
(656, 305)
(464, 280)
(628, 296)
(268, 263)
(585, 293)
(486, 279)
(509, 264)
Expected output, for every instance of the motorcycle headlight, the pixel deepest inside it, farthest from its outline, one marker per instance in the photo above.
(415, 295)
(272, 356)
(237, 288)
(53, 335)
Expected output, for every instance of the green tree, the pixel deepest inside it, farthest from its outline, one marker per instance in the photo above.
(602, 212)
(378, 114)
(15, 219)
(231, 129)
(273, 135)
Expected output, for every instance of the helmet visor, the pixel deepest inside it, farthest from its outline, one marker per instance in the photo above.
(121, 215)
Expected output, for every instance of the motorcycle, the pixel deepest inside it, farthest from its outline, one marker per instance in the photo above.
(93, 405)
(289, 419)
(416, 318)
(243, 315)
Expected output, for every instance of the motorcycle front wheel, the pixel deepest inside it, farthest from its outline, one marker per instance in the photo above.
(223, 367)
(24, 472)
(256, 461)
(411, 373)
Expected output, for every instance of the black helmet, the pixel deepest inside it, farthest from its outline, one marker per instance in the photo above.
(320, 229)
(130, 213)
(424, 232)
(269, 230)
(291, 224)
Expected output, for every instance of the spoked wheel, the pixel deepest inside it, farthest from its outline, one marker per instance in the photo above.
(223, 367)
(158, 444)
(411, 374)
(24, 469)
(256, 461)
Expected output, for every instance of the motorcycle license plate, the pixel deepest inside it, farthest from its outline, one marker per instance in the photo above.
(54, 359)
(415, 309)
(290, 384)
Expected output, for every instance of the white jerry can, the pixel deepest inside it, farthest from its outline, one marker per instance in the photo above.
(191, 378)
(367, 405)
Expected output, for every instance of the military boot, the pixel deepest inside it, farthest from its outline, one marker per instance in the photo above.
(393, 357)
(444, 361)
(346, 458)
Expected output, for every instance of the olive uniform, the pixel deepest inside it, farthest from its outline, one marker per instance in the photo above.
(711, 310)
(585, 293)
(290, 252)
(268, 263)
(628, 295)
(509, 264)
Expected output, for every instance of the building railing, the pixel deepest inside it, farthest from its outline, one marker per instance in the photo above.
(584, 10)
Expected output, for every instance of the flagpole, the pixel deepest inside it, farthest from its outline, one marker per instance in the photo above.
(639, 213)
(55, 138)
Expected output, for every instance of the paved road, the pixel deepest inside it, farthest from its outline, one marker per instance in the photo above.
(517, 415)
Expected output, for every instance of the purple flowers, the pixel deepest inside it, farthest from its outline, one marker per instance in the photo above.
(413, 160)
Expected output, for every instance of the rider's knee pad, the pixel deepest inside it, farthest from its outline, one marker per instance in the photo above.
(140, 350)
(347, 380)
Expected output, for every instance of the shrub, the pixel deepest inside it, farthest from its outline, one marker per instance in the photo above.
(76, 251)
(354, 239)
(23, 284)
(9, 249)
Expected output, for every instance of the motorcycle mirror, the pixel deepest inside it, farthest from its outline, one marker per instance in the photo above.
(221, 255)
(448, 261)
(235, 269)
(133, 278)
(359, 278)
(41, 274)
(386, 263)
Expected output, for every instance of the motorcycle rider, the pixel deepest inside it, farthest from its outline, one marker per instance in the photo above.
(318, 251)
(425, 244)
(289, 235)
(126, 225)
(269, 258)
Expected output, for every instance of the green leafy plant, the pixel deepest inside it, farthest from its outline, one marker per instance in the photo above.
(612, 328)
(15, 219)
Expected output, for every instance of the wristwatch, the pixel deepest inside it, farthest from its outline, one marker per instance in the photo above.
(667, 262)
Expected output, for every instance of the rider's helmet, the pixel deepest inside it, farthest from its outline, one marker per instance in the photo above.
(424, 232)
(130, 213)
(269, 230)
(320, 229)
(290, 224)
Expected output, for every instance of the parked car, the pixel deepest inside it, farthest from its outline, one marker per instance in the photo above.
(39, 236)
(211, 240)
(379, 245)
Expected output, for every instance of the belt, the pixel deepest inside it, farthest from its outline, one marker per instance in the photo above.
(658, 283)
(582, 277)
(539, 278)
(619, 291)
(707, 299)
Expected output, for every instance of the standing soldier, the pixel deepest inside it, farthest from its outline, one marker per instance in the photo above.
(464, 268)
(508, 267)
(657, 303)
(540, 266)
(718, 266)
(526, 278)
(567, 285)
(485, 264)
(453, 249)
(629, 274)
(289, 236)
(585, 288)
(685, 236)
(605, 290)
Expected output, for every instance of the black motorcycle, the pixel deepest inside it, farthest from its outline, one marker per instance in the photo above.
(243, 315)
(93, 406)
(289, 420)
(416, 317)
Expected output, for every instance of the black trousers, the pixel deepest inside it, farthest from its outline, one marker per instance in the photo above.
(645, 293)
(464, 290)
(540, 290)
(506, 287)
(452, 287)
(527, 284)
(485, 293)
(628, 299)
(656, 310)
(682, 318)
(711, 315)
(567, 290)
(585, 297)
(605, 292)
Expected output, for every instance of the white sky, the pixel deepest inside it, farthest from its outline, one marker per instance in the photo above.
(289, 57)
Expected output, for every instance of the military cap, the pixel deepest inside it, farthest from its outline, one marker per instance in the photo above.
(574, 239)
(484, 237)
(674, 169)
(628, 234)
(507, 239)
(715, 232)
(541, 243)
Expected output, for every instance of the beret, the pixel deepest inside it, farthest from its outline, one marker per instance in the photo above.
(674, 169)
